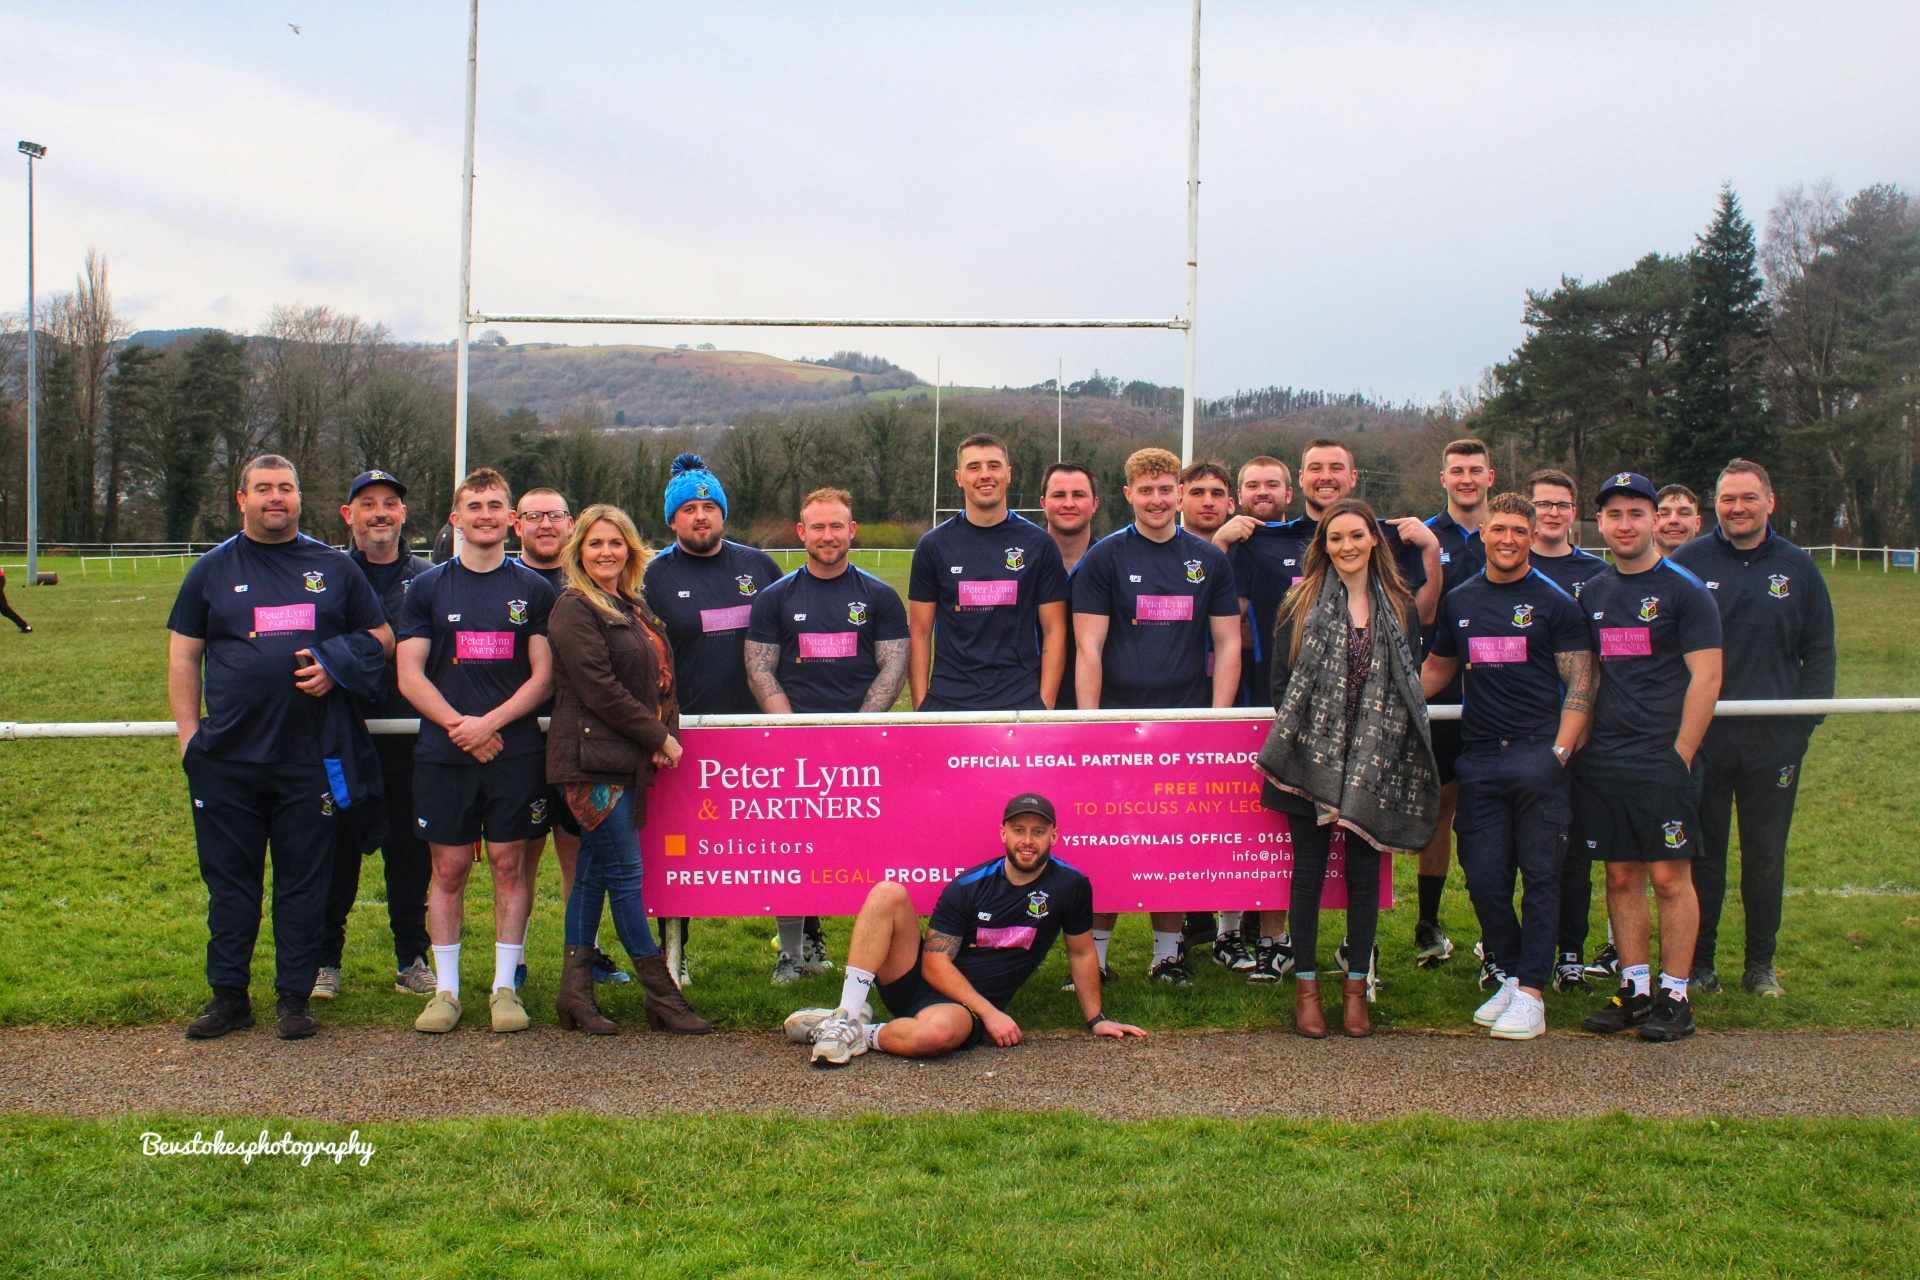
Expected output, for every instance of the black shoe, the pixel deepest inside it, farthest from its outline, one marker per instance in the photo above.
(1606, 964)
(1623, 1010)
(1172, 971)
(1431, 945)
(1341, 964)
(1491, 974)
(1230, 952)
(1670, 1020)
(1706, 980)
(1272, 960)
(1199, 929)
(295, 1022)
(1569, 975)
(227, 1011)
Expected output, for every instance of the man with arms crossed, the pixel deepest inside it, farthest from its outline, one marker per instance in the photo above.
(254, 609)
(1635, 798)
(1778, 624)
(702, 589)
(376, 516)
(983, 584)
(474, 663)
(1676, 521)
(1068, 500)
(1528, 660)
(827, 637)
(991, 928)
(1146, 600)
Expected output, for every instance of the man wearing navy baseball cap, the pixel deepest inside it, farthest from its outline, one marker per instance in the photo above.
(1635, 800)
(991, 928)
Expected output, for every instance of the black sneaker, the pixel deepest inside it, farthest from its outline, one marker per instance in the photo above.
(1107, 979)
(1173, 971)
(1431, 945)
(1491, 974)
(1606, 964)
(227, 1011)
(1272, 960)
(1230, 952)
(1341, 967)
(1623, 1010)
(295, 1022)
(1569, 975)
(1670, 1020)
(1199, 929)
(1706, 980)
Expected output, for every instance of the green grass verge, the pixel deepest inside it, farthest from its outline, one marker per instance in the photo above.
(983, 1195)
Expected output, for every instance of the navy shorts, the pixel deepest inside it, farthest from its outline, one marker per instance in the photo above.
(505, 799)
(909, 994)
(1645, 810)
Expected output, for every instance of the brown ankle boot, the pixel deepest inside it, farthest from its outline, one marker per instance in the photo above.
(575, 1003)
(1354, 1019)
(1308, 1020)
(667, 1009)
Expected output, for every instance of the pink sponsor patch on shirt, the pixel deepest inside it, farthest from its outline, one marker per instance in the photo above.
(1626, 642)
(1496, 649)
(483, 646)
(815, 646)
(279, 619)
(1017, 937)
(732, 619)
(988, 593)
(1163, 609)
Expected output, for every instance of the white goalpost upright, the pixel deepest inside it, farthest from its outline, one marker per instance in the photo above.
(469, 317)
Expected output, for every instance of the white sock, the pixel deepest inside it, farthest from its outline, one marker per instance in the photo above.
(1641, 976)
(1101, 937)
(792, 935)
(854, 989)
(1166, 946)
(873, 1035)
(1676, 986)
(446, 970)
(506, 958)
(1230, 921)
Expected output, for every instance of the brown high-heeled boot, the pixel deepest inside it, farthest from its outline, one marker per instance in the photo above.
(575, 1005)
(1308, 1019)
(667, 1009)
(1354, 1019)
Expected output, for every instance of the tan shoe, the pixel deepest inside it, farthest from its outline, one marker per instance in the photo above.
(508, 1013)
(441, 1015)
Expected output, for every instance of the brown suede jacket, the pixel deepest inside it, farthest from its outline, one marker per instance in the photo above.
(608, 714)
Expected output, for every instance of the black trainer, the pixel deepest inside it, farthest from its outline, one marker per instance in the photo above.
(229, 1010)
(1623, 1010)
(1491, 974)
(1172, 970)
(1670, 1020)
(1272, 960)
(1706, 980)
(1230, 952)
(295, 1022)
(1569, 975)
(1605, 963)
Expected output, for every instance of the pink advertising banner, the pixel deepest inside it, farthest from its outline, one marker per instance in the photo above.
(1162, 816)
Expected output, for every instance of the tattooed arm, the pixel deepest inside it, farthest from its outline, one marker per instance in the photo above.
(1580, 673)
(892, 657)
(938, 968)
(761, 659)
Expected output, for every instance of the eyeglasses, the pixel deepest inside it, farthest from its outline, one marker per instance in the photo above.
(1553, 506)
(545, 517)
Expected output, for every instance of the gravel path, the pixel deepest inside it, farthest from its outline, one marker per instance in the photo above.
(364, 1074)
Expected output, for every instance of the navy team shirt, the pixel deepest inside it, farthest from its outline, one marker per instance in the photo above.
(1462, 554)
(1507, 636)
(706, 603)
(1264, 567)
(1572, 571)
(1159, 599)
(1643, 626)
(556, 577)
(986, 586)
(827, 629)
(479, 624)
(1005, 929)
(254, 604)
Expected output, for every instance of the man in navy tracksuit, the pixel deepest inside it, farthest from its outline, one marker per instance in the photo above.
(254, 612)
(1527, 694)
(1777, 622)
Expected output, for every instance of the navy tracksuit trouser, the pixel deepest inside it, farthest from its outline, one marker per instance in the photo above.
(408, 867)
(1763, 780)
(1512, 816)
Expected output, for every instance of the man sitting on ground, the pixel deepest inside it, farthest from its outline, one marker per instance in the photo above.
(991, 928)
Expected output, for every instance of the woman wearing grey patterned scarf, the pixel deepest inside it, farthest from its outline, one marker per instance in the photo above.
(1349, 747)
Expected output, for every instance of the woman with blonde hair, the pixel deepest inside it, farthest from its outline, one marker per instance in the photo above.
(1350, 747)
(614, 716)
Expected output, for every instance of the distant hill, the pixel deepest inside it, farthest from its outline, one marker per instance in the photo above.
(161, 339)
(638, 386)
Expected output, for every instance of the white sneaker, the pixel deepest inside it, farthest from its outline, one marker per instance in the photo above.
(1489, 1013)
(1525, 1018)
(840, 1038)
(801, 1023)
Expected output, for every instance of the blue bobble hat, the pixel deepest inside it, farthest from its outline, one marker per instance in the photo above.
(691, 480)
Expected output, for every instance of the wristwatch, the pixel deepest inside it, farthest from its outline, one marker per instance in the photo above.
(1561, 754)
(1096, 1020)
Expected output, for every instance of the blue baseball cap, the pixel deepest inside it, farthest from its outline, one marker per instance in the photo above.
(1627, 482)
(375, 476)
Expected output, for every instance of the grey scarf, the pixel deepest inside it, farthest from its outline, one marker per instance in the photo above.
(1377, 777)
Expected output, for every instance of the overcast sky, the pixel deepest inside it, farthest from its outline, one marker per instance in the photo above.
(1381, 182)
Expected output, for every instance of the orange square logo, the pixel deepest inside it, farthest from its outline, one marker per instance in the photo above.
(676, 847)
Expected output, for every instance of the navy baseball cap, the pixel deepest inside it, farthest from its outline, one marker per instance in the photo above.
(1029, 802)
(376, 476)
(1627, 482)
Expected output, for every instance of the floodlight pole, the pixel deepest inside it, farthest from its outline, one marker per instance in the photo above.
(1059, 409)
(32, 151)
(1193, 241)
(466, 255)
(935, 518)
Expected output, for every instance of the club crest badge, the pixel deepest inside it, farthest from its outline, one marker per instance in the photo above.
(326, 804)
(1620, 481)
(1016, 558)
(1523, 615)
(1778, 585)
(1576, 589)
(1785, 779)
(1037, 906)
(1675, 834)
(1196, 572)
(1649, 608)
(857, 612)
(703, 490)
(516, 612)
(746, 584)
(538, 810)
(315, 581)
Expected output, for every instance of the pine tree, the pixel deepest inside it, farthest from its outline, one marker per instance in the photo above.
(1718, 409)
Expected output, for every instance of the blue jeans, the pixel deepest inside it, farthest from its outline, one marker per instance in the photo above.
(609, 868)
